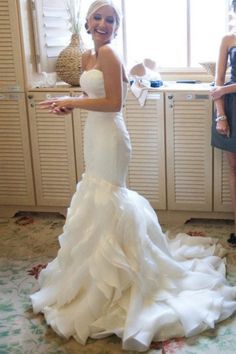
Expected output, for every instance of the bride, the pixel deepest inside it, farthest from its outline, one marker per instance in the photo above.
(116, 272)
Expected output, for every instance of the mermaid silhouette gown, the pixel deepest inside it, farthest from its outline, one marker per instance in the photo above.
(116, 272)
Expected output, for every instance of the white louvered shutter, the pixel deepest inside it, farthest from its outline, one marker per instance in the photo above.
(79, 118)
(11, 68)
(147, 167)
(16, 178)
(51, 31)
(189, 152)
(53, 153)
(222, 196)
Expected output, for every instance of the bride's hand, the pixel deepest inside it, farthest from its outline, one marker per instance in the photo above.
(61, 111)
(59, 105)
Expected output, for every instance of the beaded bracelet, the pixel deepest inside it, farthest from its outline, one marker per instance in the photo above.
(220, 118)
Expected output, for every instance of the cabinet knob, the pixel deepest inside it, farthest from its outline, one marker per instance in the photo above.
(170, 97)
(30, 96)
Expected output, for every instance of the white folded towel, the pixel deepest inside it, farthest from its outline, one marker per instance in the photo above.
(140, 90)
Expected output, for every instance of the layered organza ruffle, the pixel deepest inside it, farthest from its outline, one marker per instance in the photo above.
(116, 272)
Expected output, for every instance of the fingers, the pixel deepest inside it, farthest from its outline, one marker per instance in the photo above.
(66, 110)
(47, 105)
(62, 111)
(48, 102)
(44, 105)
(52, 105)
(222, 128)
(56, 110)
(56, 106)
(215, 95)
(226, 133)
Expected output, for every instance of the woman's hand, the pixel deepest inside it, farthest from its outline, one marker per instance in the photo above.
(222, 127)
(61, 111)
(59, 105)
(217, 92)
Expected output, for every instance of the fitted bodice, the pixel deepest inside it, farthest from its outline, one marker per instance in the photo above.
(92, 83)
(106, 140)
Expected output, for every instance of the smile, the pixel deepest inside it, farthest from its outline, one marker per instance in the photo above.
(100, 31)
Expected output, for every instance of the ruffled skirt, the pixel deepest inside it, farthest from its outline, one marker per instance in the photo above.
(117, 273)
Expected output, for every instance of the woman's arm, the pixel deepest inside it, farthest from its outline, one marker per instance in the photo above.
(61, 111)
(219, 91)
(111, 68)
(220, 75)
(217, 94)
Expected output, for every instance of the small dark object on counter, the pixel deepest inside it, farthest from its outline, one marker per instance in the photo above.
(156, 83)
(188, 82)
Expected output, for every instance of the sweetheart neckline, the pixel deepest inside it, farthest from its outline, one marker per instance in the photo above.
(93, 70)
(86, 71)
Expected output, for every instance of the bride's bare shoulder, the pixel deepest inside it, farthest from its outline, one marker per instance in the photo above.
(86, 58)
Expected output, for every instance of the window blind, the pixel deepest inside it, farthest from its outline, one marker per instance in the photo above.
(51, 29)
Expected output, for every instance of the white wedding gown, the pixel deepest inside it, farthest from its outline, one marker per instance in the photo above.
(116, 272)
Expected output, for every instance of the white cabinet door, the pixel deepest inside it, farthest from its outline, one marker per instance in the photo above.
(53, 153)
(189, 151)
(16, 177)
(11, 67)
(147, 167)
(222, 197)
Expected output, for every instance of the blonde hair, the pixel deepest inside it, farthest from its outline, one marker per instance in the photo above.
(99, 3)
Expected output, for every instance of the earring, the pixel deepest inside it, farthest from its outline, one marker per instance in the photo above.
(87, 27)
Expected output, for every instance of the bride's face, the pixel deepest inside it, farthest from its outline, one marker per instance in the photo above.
(102, 24)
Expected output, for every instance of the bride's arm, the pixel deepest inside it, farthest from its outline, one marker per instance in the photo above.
(61, 111)
(111, 68)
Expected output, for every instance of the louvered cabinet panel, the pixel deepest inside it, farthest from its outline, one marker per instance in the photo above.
(53, 153)
(11, 66)
(16, 177)
(222, 196)
(189, 152)
(79, 118)
(145, 124)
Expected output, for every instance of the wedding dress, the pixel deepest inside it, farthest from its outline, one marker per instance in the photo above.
(116, 272)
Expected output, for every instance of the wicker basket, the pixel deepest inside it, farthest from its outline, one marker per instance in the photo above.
(210, 67)
(68, 65)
